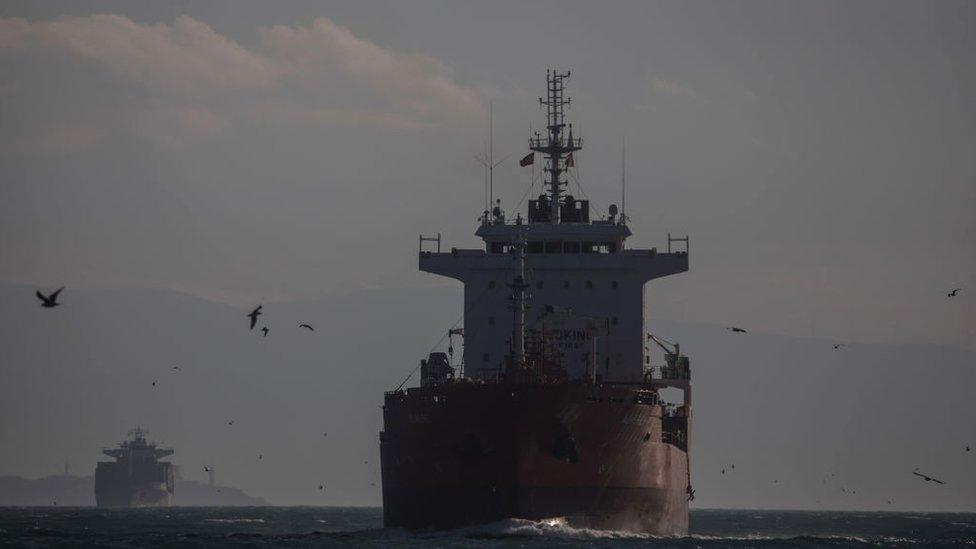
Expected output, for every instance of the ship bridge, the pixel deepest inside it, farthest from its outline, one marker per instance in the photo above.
(572, 263)
(137, 448)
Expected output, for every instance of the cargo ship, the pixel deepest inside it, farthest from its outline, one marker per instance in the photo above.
(554, 411)
(136, 478)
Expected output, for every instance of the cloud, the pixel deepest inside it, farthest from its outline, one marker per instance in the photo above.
(174, 126)
(188, 56)
(674, 88)
(60, 139)
(289, 114)
(321, 74)
(417, 84)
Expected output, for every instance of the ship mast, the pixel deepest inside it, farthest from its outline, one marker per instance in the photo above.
(554, 146)
(518, 298)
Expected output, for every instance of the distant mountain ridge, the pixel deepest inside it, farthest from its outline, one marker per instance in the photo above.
(75, 491)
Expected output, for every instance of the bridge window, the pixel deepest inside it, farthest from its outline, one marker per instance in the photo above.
(614, 284)
(491, 321)
(571, 247)
(484, 357)
(491, 283)
(535, 247)
(613, 320)
(500, 247)
(554, 247)
(565, 284)
(538, 284)
(589, 284)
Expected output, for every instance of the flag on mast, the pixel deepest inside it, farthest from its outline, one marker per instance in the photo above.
(527, 160)
(569, 161)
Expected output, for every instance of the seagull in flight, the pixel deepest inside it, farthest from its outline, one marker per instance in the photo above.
(838, 345)
(231, 422)
(736, 329)
(926, 477)
(953, 292)
(49, 301)
(311, 329)
(265, 330)
(253, 315)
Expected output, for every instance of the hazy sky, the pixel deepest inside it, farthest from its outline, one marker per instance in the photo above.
(821, 156)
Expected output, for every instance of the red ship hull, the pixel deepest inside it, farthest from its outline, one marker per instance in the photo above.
(460, 454)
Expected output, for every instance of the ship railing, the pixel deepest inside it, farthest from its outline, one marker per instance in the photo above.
(662, 372)
(676, 239)
(436, 239)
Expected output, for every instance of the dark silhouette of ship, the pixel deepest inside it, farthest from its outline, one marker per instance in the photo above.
(136, 478)
(554, 411)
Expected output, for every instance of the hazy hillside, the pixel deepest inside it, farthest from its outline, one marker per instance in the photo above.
(72, 491)
(784, 409)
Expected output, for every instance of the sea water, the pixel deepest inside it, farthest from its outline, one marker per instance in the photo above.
(362, 527)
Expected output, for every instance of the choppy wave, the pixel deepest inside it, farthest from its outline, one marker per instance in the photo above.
(359, 527)
(556, 527)
(559, 529)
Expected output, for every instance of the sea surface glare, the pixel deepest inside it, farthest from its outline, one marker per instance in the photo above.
(362, 527)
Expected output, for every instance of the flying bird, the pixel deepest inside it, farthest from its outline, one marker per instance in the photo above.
(953, 292)
(231, 422)
(838, 345)
(311, 329)
(154, 383)
(253, 315)
(737, 330)
(206, 469)
(265, 330)
(260, 456)
(49, 301)
(926, 477)
(176, 368)
(723, 471)
(967, 448)
(321, 487)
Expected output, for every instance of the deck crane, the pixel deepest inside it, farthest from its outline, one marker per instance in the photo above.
(677, 366)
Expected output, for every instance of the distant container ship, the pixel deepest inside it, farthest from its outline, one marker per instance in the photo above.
(136, 478)
(554, 411)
